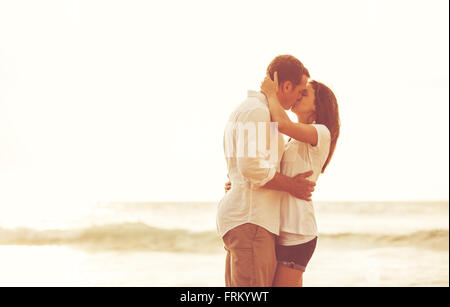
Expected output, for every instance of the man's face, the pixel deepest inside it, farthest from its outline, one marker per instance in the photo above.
(290, 94)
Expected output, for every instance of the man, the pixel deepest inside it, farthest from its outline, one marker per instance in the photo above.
(248, 216)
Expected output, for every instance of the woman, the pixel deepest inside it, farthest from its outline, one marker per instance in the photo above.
(312, 144)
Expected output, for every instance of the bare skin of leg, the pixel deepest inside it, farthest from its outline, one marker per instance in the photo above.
(288, 277)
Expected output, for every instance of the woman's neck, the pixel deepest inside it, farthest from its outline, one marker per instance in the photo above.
(306, 118)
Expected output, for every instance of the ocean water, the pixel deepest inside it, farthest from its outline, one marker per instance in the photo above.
(176, 244)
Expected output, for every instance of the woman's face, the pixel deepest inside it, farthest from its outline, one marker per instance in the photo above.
(306, 105)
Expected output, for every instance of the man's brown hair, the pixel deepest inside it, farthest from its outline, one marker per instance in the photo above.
(289, 68)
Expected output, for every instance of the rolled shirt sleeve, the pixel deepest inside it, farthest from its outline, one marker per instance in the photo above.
(255, 154)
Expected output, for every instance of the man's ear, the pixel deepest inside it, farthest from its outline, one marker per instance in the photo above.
(286, 86)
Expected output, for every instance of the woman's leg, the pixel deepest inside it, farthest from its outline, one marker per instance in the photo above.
(292, 262)
(288, 277)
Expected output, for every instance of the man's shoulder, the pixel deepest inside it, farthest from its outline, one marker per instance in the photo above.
(252, 106)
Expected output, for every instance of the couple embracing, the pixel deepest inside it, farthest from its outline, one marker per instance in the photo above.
(266, 218)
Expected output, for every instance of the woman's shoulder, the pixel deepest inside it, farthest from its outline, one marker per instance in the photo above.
(322, 131)
(323, 140)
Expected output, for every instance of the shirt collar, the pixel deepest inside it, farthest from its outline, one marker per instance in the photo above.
(261, 97)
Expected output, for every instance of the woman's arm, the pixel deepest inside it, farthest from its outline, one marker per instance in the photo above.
(299, 131)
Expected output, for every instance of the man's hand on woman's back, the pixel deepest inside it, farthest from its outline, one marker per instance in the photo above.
(298, 186)
(302, 188)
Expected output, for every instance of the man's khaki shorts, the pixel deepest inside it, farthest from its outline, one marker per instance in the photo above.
(251, 259)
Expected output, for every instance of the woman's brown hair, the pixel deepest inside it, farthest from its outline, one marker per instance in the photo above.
(327, 114)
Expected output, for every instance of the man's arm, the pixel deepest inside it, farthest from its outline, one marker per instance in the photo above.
(292, 185)
(266, 176)
(254, 162)
(297, 186)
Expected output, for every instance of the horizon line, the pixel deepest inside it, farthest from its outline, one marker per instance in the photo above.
(317, 201)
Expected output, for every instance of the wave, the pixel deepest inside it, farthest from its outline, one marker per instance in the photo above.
(139, 236)
(436, 239)
(125, 236)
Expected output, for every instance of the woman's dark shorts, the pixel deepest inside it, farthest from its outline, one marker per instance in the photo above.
(296, 256)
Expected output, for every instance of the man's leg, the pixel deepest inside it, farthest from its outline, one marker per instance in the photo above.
(265, 259)
(252, 256)
(228, 269)
(239, 243)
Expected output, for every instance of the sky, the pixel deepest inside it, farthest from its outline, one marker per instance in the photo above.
(128, 100)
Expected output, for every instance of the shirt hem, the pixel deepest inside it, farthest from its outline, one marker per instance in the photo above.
(223, 233)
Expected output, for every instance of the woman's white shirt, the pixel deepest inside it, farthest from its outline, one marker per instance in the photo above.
(298, 223)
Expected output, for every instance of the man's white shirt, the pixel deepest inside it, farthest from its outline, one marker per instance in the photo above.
(253, 149)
